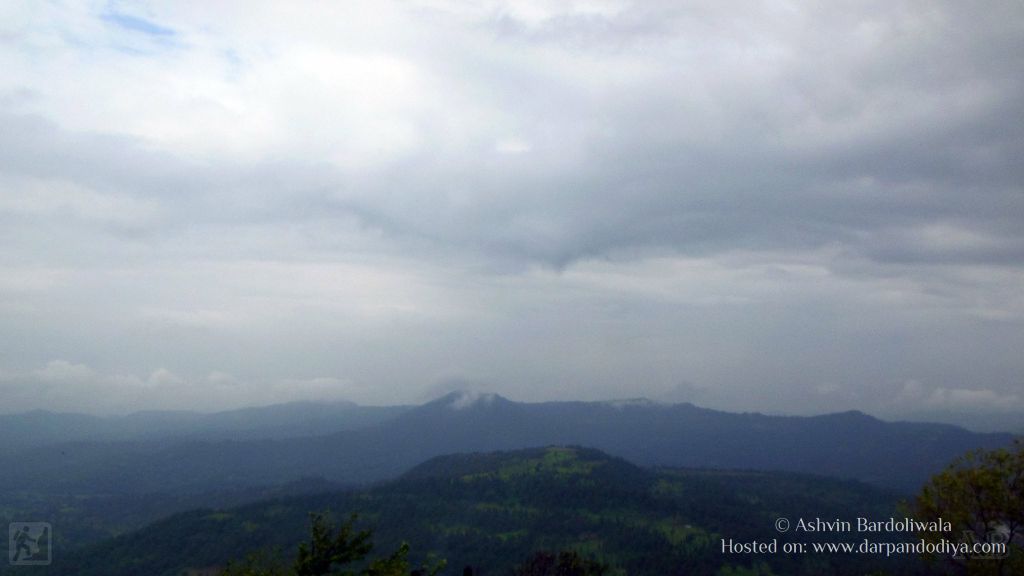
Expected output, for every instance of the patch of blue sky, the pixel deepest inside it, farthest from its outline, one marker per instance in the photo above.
(139, 36)
(136, 24)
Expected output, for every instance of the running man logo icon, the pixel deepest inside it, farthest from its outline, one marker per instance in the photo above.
(29, 543)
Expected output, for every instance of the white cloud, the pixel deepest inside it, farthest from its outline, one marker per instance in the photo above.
(467, 399)
(218, 378)
(974, 399)
(164, 378)
(512, 146)
(62, 371)
(562, 199)
(40, 198)
(916, 396)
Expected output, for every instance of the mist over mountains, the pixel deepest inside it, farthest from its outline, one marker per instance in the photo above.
(292, 419)
(184, 453)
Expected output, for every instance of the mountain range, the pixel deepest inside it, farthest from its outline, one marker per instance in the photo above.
(293, 419)
(349, 444)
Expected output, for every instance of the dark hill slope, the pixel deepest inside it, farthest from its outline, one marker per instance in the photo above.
(492, 510)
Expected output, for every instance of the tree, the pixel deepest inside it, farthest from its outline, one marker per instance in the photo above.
(328, 551)
(982, 495)
(566, 563)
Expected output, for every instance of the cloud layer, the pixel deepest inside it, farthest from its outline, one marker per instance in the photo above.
(787, 207)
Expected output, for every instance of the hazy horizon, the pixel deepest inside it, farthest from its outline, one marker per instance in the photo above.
(978, 422)
(783, 208)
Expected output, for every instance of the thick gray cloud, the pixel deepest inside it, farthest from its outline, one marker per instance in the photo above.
(789, 208)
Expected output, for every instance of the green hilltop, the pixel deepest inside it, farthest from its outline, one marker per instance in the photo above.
(490, 511)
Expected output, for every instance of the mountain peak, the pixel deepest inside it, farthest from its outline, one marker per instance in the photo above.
(851, 416)
(465, 399)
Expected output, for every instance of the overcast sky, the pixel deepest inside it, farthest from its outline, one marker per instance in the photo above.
(788, 207)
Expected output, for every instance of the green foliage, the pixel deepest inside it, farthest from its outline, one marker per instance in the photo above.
(760, 569)
(565, 563)
(982, 495)
(258, 564)
(490, 511)
(328, 552)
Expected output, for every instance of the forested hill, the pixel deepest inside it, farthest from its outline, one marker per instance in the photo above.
(852, 445)
(491, 511)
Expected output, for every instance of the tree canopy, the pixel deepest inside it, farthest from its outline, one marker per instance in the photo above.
(333, 551)
(565, 563)
(982, 495)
